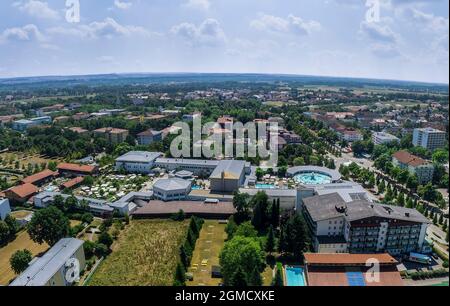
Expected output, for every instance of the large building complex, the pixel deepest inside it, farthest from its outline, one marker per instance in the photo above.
(24, 124)
(429, 138)
(363, 227)
(415, 165)
(60, 266)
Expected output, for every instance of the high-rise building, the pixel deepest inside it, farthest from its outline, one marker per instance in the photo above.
(429, 138)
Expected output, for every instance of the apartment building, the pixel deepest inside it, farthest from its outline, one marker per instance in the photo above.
(415, 165)
(363, 227)
(113, 135)
(429, 138)
(383, 138)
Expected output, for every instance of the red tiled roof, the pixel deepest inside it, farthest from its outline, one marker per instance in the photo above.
(39, 176)
(76, 168)
(24, 190)
(73, 182)
(347, 259)
(408, 159)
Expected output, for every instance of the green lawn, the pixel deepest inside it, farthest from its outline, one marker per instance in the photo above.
(146, 254)
(208, 247)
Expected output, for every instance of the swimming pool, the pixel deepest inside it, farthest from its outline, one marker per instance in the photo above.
(265, 186)
(312, 178)
(295, 277)
(195, 187)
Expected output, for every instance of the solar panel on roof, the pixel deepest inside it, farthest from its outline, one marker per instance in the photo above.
(356, 279)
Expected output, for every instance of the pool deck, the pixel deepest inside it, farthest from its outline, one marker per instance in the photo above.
(334, 174)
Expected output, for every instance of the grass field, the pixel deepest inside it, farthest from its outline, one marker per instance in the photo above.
(21, 242)
(146, 254)
(208, 247)
(9, 159)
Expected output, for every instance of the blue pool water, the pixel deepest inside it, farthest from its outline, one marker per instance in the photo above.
(295, 277)
(312, 178)
(195, 187)
(265, 186)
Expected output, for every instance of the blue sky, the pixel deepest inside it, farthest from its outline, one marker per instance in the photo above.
(409, 41)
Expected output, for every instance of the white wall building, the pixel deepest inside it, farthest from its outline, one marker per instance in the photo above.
(429, 138)
(60, 266)
(383, 138)
(173, 189)
(137, 161)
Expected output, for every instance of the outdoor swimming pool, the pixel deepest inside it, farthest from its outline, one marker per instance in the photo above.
(295, 277)
(312, 178)
(195, 187)
(265, 186)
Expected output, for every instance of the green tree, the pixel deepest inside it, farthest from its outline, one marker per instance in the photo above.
(48, 225)
(246, 229)
(242, 206)
(278, 280)
(239, 279)
(296, 236)
(19, 260)
(240, 253)
(180, 276)
(270, 244)
(255, 279)
(105, 238)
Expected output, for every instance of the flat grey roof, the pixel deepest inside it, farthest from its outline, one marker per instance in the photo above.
(139, 157)
(324, 207)
(335, 175)
(45, 267)
(271, 192)
(172, 184)
(230, 168)
(349, 191)
(183, 161)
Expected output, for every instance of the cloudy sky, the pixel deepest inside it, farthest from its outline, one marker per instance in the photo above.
(409, 40)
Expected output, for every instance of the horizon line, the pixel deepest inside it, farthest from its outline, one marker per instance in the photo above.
(229, 73)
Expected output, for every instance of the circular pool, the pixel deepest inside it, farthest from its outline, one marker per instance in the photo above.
(313, 175)
(312, 178)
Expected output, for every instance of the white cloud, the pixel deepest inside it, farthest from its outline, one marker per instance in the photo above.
(378, 32)
(385, 50)
(292, 24)
(29, 32)
(38, 9)
(123, 5)
(107, 28)
(198, 4)
(209, 32)
(432, 23)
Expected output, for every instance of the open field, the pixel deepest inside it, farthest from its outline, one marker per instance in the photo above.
(146, 254)
(9, 159)
(21, 242)
(208, 247)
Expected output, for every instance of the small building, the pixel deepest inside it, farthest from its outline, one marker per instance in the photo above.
(72, 183)
(22, 193)
(415, 165)
(60, 266)
(342, 270)
(74, 170)
(228, 176)
(173, 189)
(112, 135)
(78, 130)
(137, 161)
(40, 178)
(148, 137)
(5, 209)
